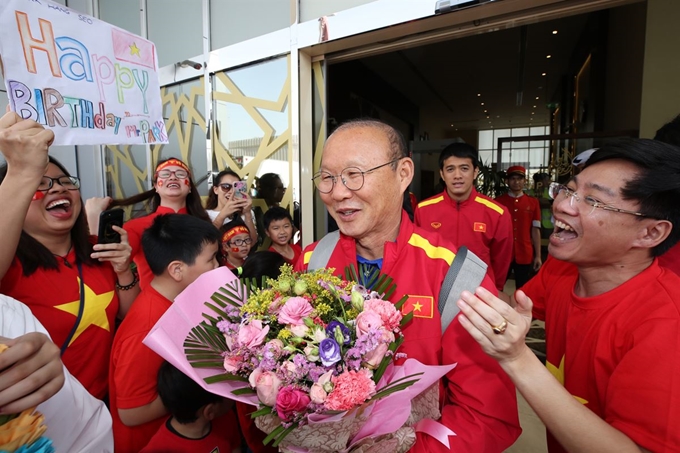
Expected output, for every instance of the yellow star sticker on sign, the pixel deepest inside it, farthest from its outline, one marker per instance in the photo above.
(558, 373)
(94, 312)
(134, 50)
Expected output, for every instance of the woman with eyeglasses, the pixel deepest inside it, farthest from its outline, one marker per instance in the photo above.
(74, 286)
(173, 192)
(235, 244)
(226, 204)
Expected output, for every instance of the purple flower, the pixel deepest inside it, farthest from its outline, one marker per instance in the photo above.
(332, 327)
(329, 352)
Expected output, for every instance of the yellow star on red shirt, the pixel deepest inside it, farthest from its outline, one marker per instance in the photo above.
(94, 312)
(558, 373)
(134, 50)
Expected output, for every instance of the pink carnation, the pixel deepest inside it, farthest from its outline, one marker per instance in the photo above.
(390, 316)
(351, 389)
(294, 310)
(367, 320)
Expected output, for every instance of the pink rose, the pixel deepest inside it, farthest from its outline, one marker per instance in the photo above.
(367, 320)
(317, 394)
(289, 401)
(253, 334)
(390, 316)
(266, 384)
(372, 358)
(299, 331)
(294, 310)
(275, 346)
(231, 364)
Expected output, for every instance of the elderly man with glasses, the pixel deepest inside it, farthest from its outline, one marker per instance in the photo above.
(365, 170)
(612, 314)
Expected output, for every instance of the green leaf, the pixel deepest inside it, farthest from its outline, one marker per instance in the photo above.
(284, 434)
(272, 435)
(406, 319)
(400, 302)
(266, 410)
(224, 377)
(243, 391)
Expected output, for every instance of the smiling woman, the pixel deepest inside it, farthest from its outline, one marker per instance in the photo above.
(49, 261)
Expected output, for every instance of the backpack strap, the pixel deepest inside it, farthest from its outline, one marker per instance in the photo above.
(466, 273)
(321, 254)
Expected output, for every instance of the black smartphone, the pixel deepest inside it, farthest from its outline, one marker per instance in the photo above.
(107, 219)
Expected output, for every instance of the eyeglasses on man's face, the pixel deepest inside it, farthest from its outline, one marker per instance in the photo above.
(556, 190)
(241, 242)
(67, 182)
(165, 174)
(351, 177)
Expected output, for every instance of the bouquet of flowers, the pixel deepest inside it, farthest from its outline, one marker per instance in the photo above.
(23, 433)
(315, 353)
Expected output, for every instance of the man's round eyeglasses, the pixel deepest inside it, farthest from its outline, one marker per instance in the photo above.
(241, 242)
(67, 182)
(351, 177)
(556, 189)
(165, 174)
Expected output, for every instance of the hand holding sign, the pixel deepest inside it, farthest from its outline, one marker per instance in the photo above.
(24, 143)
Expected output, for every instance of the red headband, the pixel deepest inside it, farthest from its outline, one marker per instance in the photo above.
(170, 162)
(233, 232)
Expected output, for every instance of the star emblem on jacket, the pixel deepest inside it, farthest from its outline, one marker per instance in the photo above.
(436, 225)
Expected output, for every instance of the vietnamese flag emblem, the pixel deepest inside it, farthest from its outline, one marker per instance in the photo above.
(133, 49)
(479, 227)
(421, 306)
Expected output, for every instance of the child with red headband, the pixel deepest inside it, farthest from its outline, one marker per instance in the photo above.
(235, 244)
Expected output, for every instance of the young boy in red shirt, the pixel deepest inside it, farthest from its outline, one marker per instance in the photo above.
(178, 248)
(278, 224)
(200, 421)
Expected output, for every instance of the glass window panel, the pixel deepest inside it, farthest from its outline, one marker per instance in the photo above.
(487, 156)
(500, 133)
(176, 27)
(486, 139)
(121, 13)
(520, 131)
(233, 21)
(538, 158)
(519, 156)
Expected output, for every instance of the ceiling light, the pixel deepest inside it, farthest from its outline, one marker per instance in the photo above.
(548, 56)
(498, 116)
(543, 74)
(534, 106)
(452, 125)
(554, 32)
(482, 103)
(532, 113)
(479, 94)
(537, 98)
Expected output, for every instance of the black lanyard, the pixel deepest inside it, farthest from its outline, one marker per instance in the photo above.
(81, 309)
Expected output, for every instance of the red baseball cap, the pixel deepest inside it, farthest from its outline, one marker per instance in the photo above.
(517, 169)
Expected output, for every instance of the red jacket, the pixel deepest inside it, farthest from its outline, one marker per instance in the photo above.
(526, 215)
(671, 259)
(479, 223)
(479, 402)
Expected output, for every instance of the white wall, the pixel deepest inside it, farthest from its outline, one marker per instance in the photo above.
(311, 9)
(233, 21)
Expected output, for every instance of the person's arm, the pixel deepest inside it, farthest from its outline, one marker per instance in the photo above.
(143, 414)
(230, 208)
(574, 426)
(501, 249)
(32, 372)
(120, 256)
(93, 207)
(536, 242)
(24, 144)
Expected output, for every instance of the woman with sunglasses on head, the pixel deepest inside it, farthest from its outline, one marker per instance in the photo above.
(74, 286)
(173, 192)
(224, 205)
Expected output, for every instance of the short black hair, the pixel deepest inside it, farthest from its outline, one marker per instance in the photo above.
(670, 132)
(275, 213)
(181, 396)
(460, 150)
(176, 237)
(657, 185)
(262, 264)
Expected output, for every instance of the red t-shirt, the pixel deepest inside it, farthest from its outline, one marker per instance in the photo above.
(135, 228)
(671, 259)
(526, 214)
(54, 298)
(479, 400)
(618, 353)
(297, 251)
(134, 370)
(479, 223)
(222, 438)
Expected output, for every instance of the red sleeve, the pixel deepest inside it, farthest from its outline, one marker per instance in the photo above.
(480, 403)
(136, 373)
(134, 228)
(416, 216)
(501, 249)
(537, 211)
(535, 289)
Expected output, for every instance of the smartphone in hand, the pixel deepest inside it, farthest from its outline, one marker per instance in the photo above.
(107, 219)
(240, 190)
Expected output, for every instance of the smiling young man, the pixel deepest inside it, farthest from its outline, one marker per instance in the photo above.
(612, 313)
(526, 225)
(464, 216)
(364, 173)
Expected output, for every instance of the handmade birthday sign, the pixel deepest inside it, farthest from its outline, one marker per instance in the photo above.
(89, 81)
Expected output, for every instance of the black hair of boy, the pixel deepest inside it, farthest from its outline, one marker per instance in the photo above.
(262, 264)
(276, 213)
(181, 396)
(176, 237)
(460, 150)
